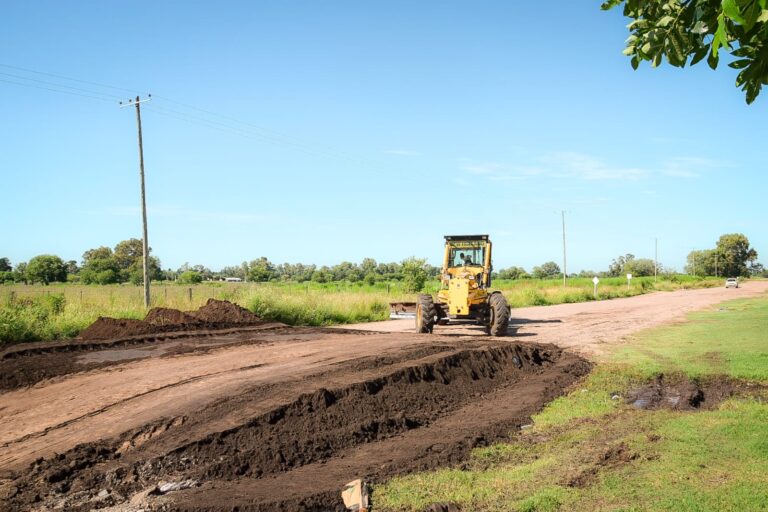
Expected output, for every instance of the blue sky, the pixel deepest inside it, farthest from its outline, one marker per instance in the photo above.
(318, 132)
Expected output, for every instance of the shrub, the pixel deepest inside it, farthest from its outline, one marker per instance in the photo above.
(190, 277)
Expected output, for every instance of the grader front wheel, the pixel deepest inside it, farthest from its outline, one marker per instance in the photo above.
(425, 314)
(498, 312)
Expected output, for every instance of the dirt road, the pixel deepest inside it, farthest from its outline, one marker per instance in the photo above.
(589, 327)
(249, 417)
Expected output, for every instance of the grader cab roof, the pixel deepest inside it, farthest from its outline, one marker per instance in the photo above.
(464, 238)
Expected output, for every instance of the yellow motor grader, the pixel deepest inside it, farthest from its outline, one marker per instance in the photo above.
(465, 294)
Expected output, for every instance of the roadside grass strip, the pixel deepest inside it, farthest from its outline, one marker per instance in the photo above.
(594, 450)
(32, 313)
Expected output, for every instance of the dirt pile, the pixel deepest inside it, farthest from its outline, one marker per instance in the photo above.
(215, 314)
(222, 311)
(105, 327)
(167, 316)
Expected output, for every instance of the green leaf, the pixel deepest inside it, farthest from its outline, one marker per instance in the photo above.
(731, 10)
(751, 13)
(635, 62)
(676, 53)
(610, 4)
(629, 50)
(700, 28)
(699, 54)
(740, 64)
(763, 16)
(664, 21)
(721, 36)
(712, 60)
(753, 89)
(744, 51)
(741, 78)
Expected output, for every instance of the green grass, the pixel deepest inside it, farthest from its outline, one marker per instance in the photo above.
(25, 314)
(733, 339)
(709, 460)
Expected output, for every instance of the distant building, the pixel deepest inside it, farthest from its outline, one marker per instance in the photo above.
(233, 279)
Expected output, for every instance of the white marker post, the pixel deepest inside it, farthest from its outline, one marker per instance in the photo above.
(595, 280)
(629, 280)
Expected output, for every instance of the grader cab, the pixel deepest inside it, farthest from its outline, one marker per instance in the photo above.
(465, 295)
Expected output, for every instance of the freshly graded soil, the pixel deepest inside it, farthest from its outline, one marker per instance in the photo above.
(402, 417)
(30, 363)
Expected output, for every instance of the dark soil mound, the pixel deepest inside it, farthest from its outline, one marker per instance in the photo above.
(167, 316)
(224, 312)
(105, 328)
(216, 314)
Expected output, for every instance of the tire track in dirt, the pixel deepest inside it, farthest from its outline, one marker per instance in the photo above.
(121, 402)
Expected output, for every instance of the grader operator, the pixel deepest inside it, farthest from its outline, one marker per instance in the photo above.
(465, 294)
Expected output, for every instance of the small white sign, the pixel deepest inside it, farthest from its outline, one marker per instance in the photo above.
(595, 280)
(629, 276)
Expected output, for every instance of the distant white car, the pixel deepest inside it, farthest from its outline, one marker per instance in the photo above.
(731, 282)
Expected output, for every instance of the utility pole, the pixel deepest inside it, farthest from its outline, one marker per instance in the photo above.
(145, 243)
(565, 266)
(656, 261)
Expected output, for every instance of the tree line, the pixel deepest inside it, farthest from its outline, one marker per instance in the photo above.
(732, 256)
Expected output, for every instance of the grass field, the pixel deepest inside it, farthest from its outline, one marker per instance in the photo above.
(590, 451)
(29, 313)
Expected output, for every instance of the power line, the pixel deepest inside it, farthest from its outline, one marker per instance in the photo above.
(230, 124)
(18, 68)
(54, 84)
(279, 136)
(245, 132)
(33, 86)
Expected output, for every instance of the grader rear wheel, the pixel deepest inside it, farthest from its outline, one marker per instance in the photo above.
(425, 314)
(498, 312)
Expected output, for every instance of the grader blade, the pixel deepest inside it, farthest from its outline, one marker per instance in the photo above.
(402, 310)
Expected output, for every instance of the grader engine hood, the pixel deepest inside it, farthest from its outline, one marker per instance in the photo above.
(458, 297)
